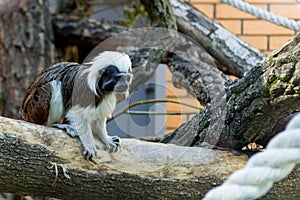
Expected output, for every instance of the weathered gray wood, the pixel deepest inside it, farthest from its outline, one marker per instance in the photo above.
(83, 32)
(29, 154)
(234, 53)
(25, 49)
(138, 170)
(160, 13)
(251, 107)
(194, 69)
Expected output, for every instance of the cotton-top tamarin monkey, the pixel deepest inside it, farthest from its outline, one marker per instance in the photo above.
(79, 98)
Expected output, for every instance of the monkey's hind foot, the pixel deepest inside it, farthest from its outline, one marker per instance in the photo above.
(113, 144)
(71, 130)
(90, 151)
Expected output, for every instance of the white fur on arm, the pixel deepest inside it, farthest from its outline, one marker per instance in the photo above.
(79, 118)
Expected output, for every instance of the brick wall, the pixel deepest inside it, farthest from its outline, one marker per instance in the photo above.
(261, 34)
(173, 121)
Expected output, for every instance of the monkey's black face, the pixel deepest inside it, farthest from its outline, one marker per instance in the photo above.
(114, 80)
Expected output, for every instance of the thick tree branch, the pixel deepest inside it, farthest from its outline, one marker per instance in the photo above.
(193, 69)
(238, 56)
(83, 32)
(251, 107)
(30, 154)
(160, 13)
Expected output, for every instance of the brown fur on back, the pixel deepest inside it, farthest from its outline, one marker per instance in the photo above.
(36, 103)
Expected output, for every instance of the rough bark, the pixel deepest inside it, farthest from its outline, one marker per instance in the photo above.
(251, 107)
(29, 154)
(193, 70)
(83, 32)
(234, 53)
(160, 13)
(25, 49)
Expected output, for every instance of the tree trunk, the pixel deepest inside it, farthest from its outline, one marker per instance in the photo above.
(34, 158)
(25, 49)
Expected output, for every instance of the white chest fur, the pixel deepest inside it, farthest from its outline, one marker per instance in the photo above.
(106, 107)
(90, 113)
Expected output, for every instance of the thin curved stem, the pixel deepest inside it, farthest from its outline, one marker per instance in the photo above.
(125, 110)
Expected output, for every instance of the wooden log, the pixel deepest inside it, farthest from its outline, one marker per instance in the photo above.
(42, 161)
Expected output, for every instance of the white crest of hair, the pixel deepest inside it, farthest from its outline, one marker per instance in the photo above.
(104, 59)
(56, 110)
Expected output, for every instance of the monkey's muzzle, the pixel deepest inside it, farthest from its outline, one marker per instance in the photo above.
(124, 82)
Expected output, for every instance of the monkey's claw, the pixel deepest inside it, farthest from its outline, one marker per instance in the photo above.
(113, 145)
(90, 151)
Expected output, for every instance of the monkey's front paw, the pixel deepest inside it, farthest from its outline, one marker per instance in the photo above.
(67, 128)
(113, 144)
(90, 150)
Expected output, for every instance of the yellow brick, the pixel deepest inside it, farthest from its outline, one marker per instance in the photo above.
(267, 52)
(175, 92)
(259, 42)
(174, 121)
(260, 27)
(205, 1)
(170, 130)
(291, 11)
(270, 1)
(169, 75)
(207, 9)
(172, 107)
(233, 26)
(232, 77)
(224, 11)
(278, 41)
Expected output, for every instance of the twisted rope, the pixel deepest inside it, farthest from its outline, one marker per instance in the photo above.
(263, 14)
(263, 169)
